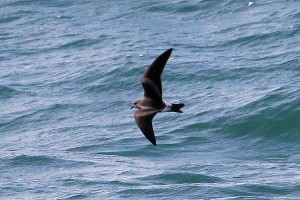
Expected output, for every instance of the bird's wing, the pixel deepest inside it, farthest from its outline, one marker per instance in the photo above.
(151, 90)
(155, 70)
(143, 119)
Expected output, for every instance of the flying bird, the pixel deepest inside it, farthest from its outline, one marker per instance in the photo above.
(152, 103)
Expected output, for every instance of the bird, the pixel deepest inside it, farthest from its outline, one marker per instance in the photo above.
(152, 102)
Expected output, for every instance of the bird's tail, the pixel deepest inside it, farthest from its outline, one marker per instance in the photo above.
(176, 107)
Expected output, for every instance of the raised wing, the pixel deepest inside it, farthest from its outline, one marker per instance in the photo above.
(151, 91)
(155, 70)
(143, 119)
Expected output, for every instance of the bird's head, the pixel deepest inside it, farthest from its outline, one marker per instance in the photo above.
(136, 104)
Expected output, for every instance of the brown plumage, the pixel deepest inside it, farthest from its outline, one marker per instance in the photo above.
(152, 102)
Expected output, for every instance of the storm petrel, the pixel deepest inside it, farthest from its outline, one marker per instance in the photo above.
(152, 102)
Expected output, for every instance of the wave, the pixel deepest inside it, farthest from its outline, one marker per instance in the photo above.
(255, 39)
(276, 115)
(43, 3)
(180, 178)
(7, 92)
(31, 160)
(21, 120)
(42, 160)
(9, 19)
(181, 8)
(175, 8)
(81, 43)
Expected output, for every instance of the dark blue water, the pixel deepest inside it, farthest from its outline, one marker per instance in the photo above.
(70, 70)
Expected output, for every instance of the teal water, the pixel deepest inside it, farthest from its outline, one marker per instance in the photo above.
(70, 70)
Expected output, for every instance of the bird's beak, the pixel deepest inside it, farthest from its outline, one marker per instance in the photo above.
(131, 107)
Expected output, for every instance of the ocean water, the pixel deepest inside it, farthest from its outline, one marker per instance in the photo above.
(70, 70)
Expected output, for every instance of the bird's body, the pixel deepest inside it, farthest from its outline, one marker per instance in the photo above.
(152, 102)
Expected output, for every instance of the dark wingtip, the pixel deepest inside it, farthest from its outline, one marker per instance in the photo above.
(169, 51)
(165, 55)
(151, 138)
(153, 141)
